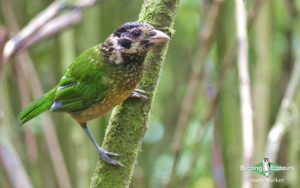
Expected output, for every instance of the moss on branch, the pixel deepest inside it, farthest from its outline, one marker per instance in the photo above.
(128, 122)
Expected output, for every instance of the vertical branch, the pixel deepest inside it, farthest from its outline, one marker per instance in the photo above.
(128, 121)
(244, 84)
(262, 78)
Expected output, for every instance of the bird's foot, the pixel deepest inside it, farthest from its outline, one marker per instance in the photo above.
(137, 93)
(105, 156)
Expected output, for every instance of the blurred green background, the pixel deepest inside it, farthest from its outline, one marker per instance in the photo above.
(210, 152)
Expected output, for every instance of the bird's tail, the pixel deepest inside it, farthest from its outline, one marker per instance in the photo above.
(37, 107)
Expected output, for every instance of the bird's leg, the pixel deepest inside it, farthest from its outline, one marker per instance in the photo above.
(104, 155)
(137, 93)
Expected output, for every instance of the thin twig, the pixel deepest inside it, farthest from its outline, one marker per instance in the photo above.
(44, 25)
(287, 115)
(52, 27)
(4, 36)
(16, 42)
(245, 93)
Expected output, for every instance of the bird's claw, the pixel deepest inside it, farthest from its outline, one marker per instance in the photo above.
(137, 93)
(113, 162)
(112, 154)
(105, 156)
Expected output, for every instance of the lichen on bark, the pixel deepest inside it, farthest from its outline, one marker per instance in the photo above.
(128, 122)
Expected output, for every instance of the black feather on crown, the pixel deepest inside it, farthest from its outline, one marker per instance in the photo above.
(129, 25)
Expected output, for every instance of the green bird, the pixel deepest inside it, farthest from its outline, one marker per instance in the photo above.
(101, 78)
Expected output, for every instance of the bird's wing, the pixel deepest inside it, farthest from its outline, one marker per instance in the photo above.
(84, 83)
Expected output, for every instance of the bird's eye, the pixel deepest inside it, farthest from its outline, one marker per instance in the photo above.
(136, 33)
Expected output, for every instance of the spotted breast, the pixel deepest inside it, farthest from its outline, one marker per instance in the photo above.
(125, 78)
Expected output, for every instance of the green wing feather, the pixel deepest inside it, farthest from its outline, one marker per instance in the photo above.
(83, 84)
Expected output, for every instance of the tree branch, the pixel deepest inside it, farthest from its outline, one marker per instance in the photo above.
(287, 116)
(245, 93)
(288, 113)
(128, 122)
(12, 165)
(44, 25)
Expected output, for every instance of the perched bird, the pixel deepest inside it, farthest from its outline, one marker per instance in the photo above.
(101, 78)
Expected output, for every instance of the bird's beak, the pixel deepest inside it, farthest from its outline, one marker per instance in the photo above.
(158, 37)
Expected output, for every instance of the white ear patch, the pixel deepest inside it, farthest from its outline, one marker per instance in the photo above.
(116, 55)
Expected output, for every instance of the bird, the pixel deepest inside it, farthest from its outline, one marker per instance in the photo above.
(266, 166)
(100, 78)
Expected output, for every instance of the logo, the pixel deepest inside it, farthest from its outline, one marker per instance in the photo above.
(266, 168)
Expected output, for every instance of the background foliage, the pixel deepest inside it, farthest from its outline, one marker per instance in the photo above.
(210, 144)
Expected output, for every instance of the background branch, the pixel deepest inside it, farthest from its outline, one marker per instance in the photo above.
(12, 165)
(52, 27)
(44, 25)
(245, 92)
(288, 114)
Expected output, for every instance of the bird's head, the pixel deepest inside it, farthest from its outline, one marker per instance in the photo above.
(138, 37)
(132, 38)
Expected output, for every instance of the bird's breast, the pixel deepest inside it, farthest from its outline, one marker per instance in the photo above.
(123, 82)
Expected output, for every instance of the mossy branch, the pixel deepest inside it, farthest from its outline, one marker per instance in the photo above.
(128, 122)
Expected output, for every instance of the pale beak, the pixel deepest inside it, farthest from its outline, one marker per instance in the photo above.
(158, 37)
